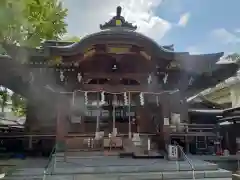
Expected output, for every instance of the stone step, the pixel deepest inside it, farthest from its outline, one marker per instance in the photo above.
(220, 173)
(115, 165)
(26, 178)
(28, 172)
(36, 175)
(130, 169)
(163, 175)
(154, 176)
(93, 178)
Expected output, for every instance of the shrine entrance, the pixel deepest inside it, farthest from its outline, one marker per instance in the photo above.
(101, 116)
(106, 112)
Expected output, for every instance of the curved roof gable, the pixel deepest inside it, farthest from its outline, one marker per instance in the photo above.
(114, 37)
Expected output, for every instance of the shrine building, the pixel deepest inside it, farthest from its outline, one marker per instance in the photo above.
(115, 82)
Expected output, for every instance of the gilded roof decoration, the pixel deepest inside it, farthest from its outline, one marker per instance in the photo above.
(118, 21)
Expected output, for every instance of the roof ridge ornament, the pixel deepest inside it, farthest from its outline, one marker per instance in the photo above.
(118, 21)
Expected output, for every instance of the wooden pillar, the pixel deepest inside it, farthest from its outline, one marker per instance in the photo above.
(62, 115)
(184, 111)
(82, 125)
(179, 105)
(60, 136)
(165, 128)
(142, 119)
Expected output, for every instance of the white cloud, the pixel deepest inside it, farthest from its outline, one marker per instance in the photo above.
(193, 50)
(237, 30)
(184, 19)
(225, 36)
(84, 17)
(219, 40)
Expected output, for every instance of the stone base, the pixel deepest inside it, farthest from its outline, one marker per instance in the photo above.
(236, 176)
(60, 146)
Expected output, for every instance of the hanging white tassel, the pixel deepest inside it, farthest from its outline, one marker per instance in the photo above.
(62, 76)
(157, 99)
(31, 78)
(190, 81)
(86, 97)
(141, 99)
(165, 78)
(79, 77)
(73, 98)
(102, 98)
(125, 99)
(149, 79)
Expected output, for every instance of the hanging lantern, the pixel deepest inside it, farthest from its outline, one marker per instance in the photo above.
(125, 99)
(79, 77)
(86, 97)
(62, 76)
(141, 99)
(102, 98)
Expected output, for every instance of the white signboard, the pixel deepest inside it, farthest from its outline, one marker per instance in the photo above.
(76, 119)
(172, 152)
(175, 118)
(166, 121)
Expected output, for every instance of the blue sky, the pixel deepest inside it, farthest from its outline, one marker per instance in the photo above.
(198, 26)
(206, 17)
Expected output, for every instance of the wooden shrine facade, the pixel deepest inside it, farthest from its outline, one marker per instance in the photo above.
(116, 76)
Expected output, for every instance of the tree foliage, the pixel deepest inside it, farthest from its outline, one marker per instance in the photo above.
(29, 22)
(4, 97)
(18, 104)
(71, 39)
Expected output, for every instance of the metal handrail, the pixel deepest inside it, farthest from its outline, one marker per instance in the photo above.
(238, 161)
(187, 159)
(46, 168)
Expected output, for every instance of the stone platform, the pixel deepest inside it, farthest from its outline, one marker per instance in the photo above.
(98, 167)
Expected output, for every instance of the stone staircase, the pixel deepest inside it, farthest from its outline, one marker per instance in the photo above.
(114, 168)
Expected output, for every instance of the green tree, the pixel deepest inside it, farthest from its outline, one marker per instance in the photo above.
(71, 39)
(29, 22)
(4, 95)
(18, 105)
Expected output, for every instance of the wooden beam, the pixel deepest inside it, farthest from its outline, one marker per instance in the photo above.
(136, 76)
(117, 88)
